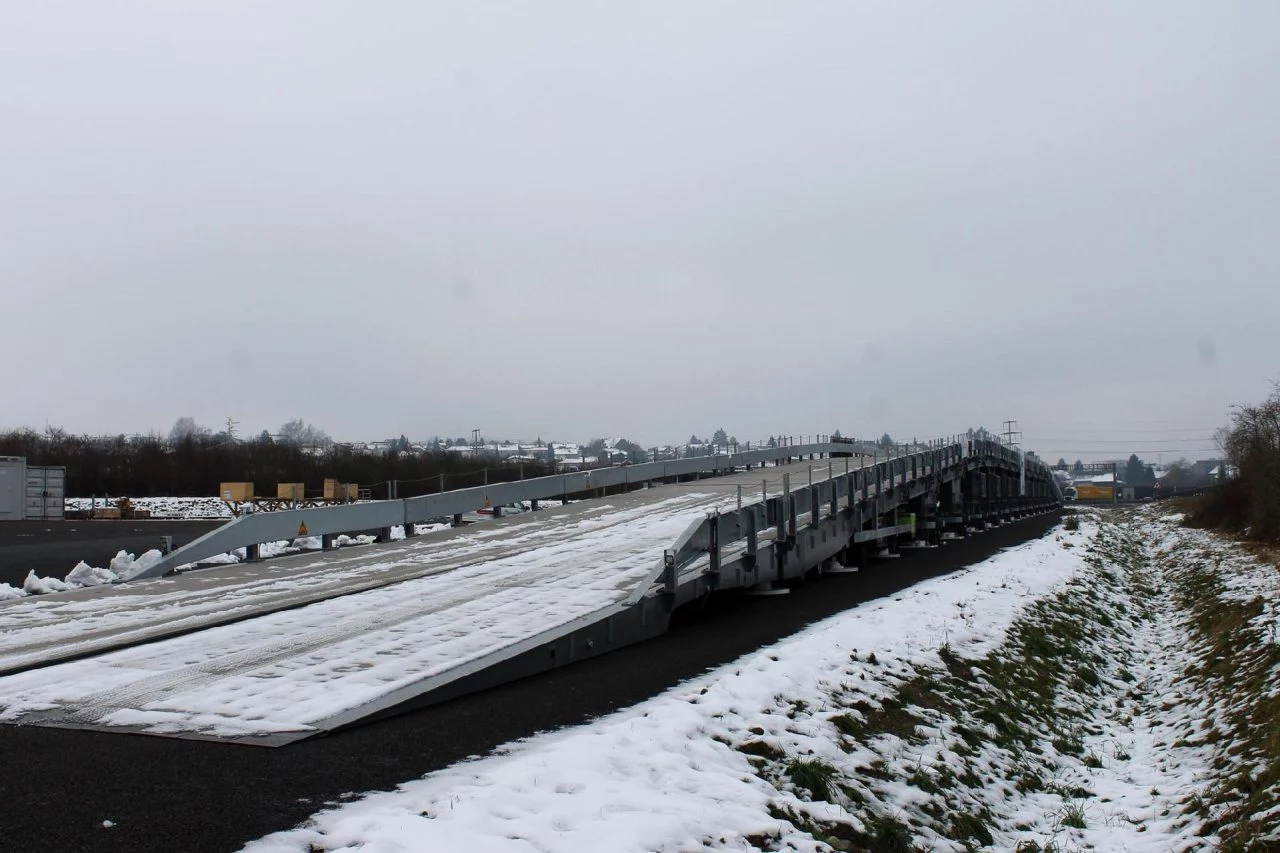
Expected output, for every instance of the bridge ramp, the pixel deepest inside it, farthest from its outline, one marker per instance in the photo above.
(320, 642)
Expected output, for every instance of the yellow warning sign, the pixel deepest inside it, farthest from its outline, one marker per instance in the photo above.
(302, 529)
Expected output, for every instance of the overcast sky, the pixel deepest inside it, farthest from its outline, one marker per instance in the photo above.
(646, 219)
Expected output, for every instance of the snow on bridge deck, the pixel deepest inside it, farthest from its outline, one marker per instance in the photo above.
(319, 639)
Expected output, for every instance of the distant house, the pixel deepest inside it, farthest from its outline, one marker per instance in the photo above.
(581, 463)
(526, 458)
(1095, 487)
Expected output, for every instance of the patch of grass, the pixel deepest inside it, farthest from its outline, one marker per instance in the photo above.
(848, 724)
(883, 834)
(971, 827)
(887, 835)
(1029, 781)
(1073, 816)
(972, 739)
(921, 779)
(893, 716)
(852, 794)
(1092, 760)
(814, 775)
(1068, 744)
(1069, 792)
(876, 770)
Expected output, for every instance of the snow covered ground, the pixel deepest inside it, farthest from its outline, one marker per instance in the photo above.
(184, 508)
(1036, 701)
(191, 508)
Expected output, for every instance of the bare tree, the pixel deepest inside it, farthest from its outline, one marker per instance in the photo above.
(186, 427)
(303, 434)
(1249, 502)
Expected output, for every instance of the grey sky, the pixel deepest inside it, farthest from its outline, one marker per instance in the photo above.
(578, 219)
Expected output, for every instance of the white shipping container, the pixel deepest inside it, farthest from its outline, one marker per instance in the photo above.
(46, 489)
(13, 481)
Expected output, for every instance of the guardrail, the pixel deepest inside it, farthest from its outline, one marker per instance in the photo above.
(250, 530)
(862, 495)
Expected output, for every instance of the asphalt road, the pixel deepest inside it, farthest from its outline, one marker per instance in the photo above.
(57, 787)
(53, 548)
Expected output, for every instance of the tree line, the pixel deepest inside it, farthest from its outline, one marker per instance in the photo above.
(194, 463)
(1249, 502)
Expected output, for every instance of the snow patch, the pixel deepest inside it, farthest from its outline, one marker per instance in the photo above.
(36, 585)
(86, 575)
(124, 564)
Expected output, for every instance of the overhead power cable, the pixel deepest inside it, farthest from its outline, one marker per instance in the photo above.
(1097, 450)
(1125, 440)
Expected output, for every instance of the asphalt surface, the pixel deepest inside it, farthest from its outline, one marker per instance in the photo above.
(57, 786)
(53, 548)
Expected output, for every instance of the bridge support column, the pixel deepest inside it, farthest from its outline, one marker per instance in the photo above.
(928, 521)
(786, 531)
(792, 520)
(253, 553)
(814, 501)
(326, 542)
(915, 508)
(976, 505)
(1002, 497)
(457, 519)
(410, 530)
(713, 549)
(384, 534)
(855, 555)
(958, 505)
(993, 500)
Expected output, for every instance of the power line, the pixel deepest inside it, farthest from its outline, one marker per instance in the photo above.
(1096, 450)
(1124, 440)
(1069, 427)
(1120, 421)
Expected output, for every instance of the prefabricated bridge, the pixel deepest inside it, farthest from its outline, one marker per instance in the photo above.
(272, 652)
